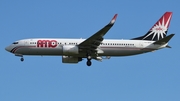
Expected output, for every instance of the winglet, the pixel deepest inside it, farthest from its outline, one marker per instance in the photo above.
(113, 19)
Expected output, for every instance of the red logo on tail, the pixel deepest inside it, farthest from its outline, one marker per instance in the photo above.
(164, 20)
(158, 29)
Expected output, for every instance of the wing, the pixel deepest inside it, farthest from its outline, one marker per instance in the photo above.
(95, 40)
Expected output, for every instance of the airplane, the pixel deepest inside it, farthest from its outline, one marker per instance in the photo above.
(96, 47)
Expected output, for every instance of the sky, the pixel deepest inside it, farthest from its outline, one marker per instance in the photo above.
(147, 77)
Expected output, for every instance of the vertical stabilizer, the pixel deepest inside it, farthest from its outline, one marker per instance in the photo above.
(159, 29)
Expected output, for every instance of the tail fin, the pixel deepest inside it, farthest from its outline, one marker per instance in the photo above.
(159, 30)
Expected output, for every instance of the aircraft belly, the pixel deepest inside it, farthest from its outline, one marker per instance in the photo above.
(40, 51)
(121, 52)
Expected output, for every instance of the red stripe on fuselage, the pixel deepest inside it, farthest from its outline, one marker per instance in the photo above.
(18, 47)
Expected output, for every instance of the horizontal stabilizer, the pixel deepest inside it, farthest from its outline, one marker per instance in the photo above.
(168, 46)
(164, 40)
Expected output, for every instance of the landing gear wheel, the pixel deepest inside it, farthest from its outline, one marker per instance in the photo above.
(22, 59)
(89, 63)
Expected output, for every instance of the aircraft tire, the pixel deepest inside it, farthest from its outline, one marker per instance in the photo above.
(89, 63)
(22, 59)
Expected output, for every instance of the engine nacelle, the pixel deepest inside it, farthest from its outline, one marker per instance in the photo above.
(70, 59)
(70, 50)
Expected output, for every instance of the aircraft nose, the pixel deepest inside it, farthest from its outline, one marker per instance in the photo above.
(7, 49)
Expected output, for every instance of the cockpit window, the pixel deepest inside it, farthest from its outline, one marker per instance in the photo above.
(15, 42)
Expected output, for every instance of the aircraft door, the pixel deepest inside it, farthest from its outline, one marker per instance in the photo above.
(26, 43)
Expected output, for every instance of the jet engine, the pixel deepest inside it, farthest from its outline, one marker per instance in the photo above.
(70, 50)
(70, 59)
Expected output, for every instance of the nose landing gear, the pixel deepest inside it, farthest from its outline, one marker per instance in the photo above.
(20, 55)
(22, 59)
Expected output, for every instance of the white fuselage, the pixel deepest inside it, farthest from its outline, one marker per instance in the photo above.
(54, 46)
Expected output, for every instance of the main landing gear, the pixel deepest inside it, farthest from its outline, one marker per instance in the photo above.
(89, 63)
